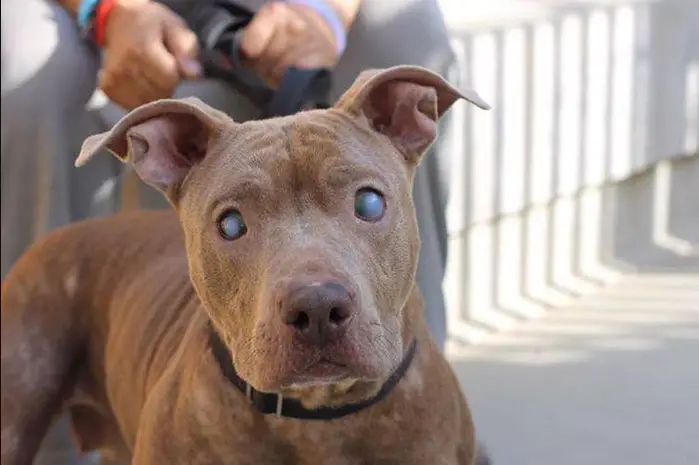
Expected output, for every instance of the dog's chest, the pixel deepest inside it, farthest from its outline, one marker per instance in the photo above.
(337, 446)
(387, 437)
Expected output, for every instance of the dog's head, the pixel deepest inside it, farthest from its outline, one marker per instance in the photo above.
(300, 231)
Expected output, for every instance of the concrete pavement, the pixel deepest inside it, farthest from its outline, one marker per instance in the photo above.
(613, 380)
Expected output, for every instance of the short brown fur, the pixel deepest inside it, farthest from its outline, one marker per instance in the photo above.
(109, 318)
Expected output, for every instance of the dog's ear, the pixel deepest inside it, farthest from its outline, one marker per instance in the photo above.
(404, 103)
(163, 140)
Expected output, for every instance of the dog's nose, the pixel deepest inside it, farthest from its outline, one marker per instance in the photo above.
(318, 313)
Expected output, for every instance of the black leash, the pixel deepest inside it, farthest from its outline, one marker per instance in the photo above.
(270, 403)
(219, 26)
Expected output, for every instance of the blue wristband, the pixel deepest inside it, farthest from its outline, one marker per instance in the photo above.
(331, 17)
(86, 11)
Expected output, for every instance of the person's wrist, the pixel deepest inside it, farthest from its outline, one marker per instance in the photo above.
(92, 15)
(331, 17)
(111, 14)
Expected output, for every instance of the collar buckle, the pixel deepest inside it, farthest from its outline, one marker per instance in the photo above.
(280, 405)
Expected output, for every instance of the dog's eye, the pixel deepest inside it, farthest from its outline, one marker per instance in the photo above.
(369, 205)
(231, 225)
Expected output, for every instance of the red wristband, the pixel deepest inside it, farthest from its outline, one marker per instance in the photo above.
(101, 16)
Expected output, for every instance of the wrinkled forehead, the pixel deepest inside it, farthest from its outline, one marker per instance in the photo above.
(298, 150)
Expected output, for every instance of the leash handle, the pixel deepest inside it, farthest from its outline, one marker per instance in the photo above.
(220, 28)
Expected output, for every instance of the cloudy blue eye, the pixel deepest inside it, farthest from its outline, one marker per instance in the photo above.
(369, 205)
(231, 225)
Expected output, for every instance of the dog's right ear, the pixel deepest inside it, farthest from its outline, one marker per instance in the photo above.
(404, 103)
(163, 140)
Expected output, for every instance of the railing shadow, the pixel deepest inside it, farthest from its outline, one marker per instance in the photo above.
(615, 371)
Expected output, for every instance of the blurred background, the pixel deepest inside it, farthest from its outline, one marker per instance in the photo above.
(573, 278)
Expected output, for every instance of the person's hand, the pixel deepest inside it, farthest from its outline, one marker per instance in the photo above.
(283, 35)
(148, 51)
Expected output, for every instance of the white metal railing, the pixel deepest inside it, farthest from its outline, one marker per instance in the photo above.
(584, 97)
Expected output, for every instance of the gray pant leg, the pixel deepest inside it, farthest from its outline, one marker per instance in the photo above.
(394, 32)
(47, 77)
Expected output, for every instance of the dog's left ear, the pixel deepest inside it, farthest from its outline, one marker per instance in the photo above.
(163, 140)
(404, 103)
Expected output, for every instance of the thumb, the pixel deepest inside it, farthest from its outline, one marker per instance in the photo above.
(183, 45)
(270, 19)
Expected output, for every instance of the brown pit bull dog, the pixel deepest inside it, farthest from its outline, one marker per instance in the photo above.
(275, 319)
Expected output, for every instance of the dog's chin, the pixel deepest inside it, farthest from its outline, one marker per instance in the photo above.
(326, 383)
(322, 372)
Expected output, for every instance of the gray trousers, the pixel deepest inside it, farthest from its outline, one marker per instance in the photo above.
(48, 82)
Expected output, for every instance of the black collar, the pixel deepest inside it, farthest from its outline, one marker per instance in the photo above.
(269, 403)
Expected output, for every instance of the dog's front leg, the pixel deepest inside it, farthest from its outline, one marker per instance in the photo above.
(162, 436)
(185, 421)
(172, 437)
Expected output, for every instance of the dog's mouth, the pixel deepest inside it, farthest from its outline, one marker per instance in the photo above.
(326, 368)
(320, 372)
